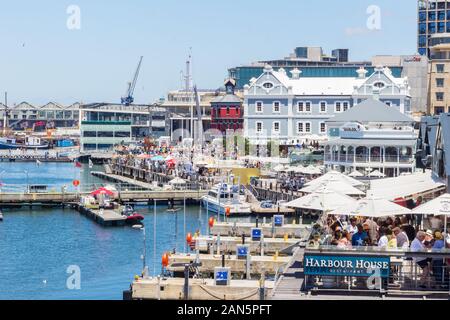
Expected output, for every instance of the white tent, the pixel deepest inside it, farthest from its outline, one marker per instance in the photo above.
(336, 185)
(321, 200)
(356, 174)
(335, 175)
(373, 207)
(376, 174)
(438, 206)
(177, 180)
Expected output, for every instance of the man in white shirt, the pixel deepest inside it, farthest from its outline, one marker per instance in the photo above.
(417, 246)
(402, 238)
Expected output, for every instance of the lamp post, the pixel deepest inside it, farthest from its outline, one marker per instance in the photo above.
(28, 185)
(1, 184)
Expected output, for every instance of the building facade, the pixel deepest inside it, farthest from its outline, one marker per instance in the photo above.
(293, 109)
(371, 136)
(433, 18)
(226, 111)
(104, 135)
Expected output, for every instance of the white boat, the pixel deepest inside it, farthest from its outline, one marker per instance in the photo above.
(223, 196)
(1, 216)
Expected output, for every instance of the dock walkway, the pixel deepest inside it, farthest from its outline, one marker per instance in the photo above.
(107, 218)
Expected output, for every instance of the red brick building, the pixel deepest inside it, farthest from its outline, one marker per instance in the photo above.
(226, 111)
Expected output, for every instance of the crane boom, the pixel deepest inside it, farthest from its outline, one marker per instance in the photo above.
(128, 99)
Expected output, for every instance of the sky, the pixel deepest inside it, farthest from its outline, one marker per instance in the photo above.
(42, 59)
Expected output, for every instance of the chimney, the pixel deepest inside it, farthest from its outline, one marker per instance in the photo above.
(296, 73)
(361, 73)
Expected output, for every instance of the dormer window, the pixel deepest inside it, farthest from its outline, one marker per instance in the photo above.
(268, 85)
(379, 85)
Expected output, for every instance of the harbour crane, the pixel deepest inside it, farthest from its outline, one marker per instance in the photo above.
(128, 99)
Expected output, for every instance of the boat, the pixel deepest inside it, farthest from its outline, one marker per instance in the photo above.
(1, 216)
(28, 143)
(223, 196)
(133, 218)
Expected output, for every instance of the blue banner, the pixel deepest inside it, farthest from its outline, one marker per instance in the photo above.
(352, 266)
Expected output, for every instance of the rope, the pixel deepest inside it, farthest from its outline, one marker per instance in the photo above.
(214, 295)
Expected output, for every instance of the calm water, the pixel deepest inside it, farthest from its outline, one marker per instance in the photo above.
(37, 245)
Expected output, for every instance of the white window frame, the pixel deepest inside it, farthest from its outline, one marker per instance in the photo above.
(348, 105)
(298, 126)
(335, 106)
(320, 127)
(304, 124)
(279, 126)
(302, 103)
(262, 107)
(256, 126)
(279, 107)
(320, 106)
(310, 127)
(310, 107)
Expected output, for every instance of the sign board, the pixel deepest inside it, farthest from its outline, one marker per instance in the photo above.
(256, 234)
(352, 130)
(278, 220)
(346, 265)
(222, 276)
(241, 251)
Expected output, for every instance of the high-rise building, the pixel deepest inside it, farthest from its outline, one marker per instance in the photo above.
(439, 74)
(433, 17)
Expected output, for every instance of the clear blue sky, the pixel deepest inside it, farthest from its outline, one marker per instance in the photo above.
(41, 60)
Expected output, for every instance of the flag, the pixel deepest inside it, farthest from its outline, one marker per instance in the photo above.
(78, 164)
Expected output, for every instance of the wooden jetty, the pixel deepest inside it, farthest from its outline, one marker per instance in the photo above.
(106, 217)
(237, 229)
(208, 244)
(121, 179)
(199, 289)
(257, 209)
(258, 264)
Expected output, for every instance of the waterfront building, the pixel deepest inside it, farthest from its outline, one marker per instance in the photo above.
(27, 117)
(433, 18)
(226, 110)
(115, 123)
(293, 109)
(439, 74)
(371, 136)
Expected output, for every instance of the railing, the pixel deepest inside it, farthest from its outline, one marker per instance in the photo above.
(367, 159)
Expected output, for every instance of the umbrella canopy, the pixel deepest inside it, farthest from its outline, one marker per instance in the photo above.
(335, 185)
(376, 174)
(102, 191)
(373, 207)
(157, 158)
(356, 174)
(143, 156)
(438, 206)
(335, 175)
(177, 180)
(279, 168)
(323, 199)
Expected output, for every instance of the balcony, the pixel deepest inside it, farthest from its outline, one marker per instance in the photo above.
(366, 159)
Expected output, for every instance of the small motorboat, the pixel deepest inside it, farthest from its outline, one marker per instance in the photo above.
(133, 218)
(1, 216)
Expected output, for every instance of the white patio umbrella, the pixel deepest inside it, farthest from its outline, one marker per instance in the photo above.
(373, 207)
(356, 174)
(322, 200)
(438, 206)
(312, 170)
(376, 174)
(279, 168)
(336, 185)
(335, 175)
(177, 180)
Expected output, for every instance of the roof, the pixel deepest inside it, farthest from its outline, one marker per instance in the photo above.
(372, 110)
(228, 98)
(373, 142)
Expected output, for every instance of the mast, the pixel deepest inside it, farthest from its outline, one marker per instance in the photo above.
(5, 114)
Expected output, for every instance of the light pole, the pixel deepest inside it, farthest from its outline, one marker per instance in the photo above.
(144, 254)
(28, 185)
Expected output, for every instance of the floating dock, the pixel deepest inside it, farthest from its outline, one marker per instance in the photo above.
(106, 217)
(199, 289)
(236, 229)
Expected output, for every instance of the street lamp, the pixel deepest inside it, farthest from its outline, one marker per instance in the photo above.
(28, 185)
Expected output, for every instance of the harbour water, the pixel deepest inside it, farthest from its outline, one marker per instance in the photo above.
(38, 245)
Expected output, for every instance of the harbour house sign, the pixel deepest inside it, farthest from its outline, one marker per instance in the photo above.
(346, 265)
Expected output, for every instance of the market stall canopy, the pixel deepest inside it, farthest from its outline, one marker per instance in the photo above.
(177, 180)
(438, 206)
(336, 185)
(335, 175)
(356, 174)
(322, 200)
(373, 207)
(406, 187)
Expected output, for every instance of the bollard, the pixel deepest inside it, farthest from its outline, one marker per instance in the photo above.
(186, 282)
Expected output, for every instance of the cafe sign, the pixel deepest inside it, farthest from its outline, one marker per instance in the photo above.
(352, 130)
(346, 265)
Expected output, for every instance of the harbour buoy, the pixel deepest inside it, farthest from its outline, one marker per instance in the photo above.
(165, 260)
(189, 238)
(211, 222)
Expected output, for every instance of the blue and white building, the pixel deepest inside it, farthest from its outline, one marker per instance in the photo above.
(293, 109)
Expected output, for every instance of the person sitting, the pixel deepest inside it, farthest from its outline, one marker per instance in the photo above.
(392, 239)
(402, 238)
(417, 245)
(361, 238)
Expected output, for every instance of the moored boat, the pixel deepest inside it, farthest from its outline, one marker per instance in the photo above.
(223, 197)
(28, 143)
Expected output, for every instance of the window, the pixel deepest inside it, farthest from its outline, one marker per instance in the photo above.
(300, 107)
(276, 107)
(228, 110)
(308, 127)
(379, 85)
(388, 103)
(308, 106)
(440, 82)
(89, 134)
(303, 107)
(259, 127)
(439, 96)
(105, 134)
(299, 127)
(337, 107)
(268, 85)
(276, 126)
(259, 107)
(323, 127)
(122, 134)
(438, 110)
(303, 127)
(440, 68)
(323, 107)
(345, 106)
